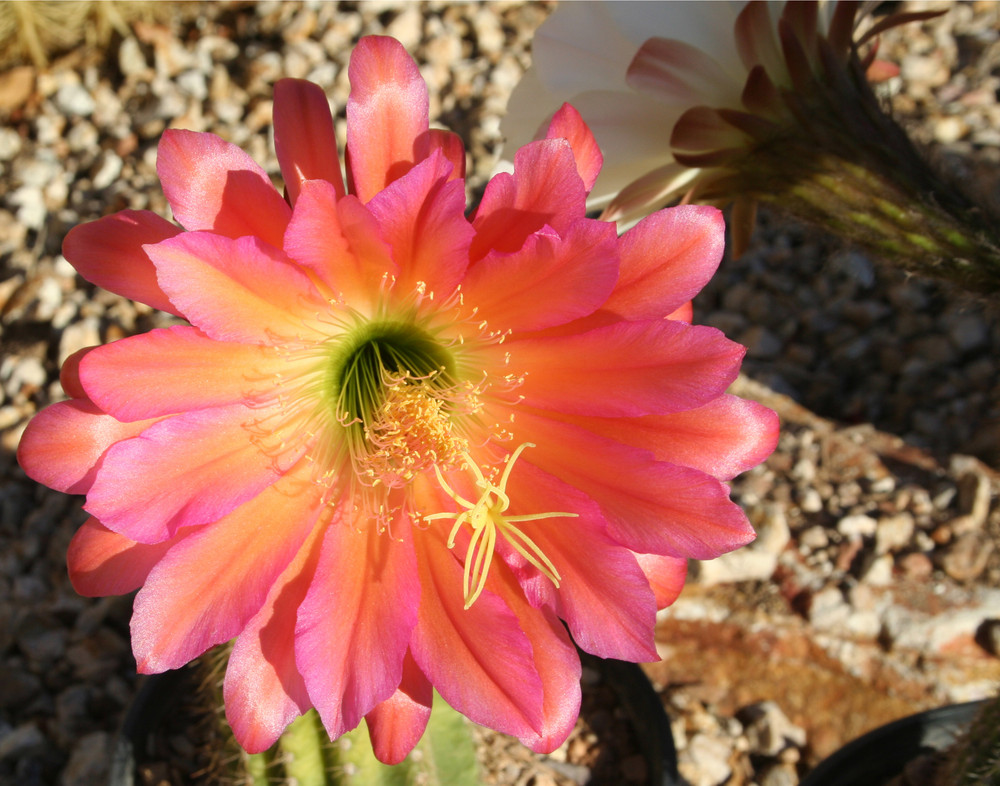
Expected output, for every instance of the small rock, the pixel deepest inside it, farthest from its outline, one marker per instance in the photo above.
(89, 762)
(20, 741)
(815, 538)
(916, 566)
(10, 144)
(705, 761)
(828, 609)
(131, 59)
(878, 572)
(74, 99)
(966, 558)
(893, 533)
(778, 775)
(740, 565)
(857, 526)
(769, 730)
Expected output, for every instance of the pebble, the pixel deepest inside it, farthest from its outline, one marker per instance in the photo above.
(75, 99)
(966, 558)
(90, 760)
(20, 741)
(705, 761)
(893, 533)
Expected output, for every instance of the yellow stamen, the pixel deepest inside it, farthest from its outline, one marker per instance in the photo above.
(410, 432)
(486, 516)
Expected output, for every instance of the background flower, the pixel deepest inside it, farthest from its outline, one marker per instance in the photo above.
(756, 102)
(376, 395)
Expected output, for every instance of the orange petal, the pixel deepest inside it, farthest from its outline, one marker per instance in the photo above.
(304, 140)
(386, 115)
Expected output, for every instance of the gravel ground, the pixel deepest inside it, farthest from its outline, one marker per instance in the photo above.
(872, 591)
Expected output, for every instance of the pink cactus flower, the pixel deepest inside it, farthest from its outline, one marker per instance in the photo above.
(397, 447)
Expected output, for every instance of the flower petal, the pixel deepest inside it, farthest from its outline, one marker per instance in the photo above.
(340, 242)
(386, 115)
(102, 562)
(651, 507)
(452, 150)
(556, 660)
(186, 470)
(263, 690)
(657, 277)
(173, 370)
(354, 623)
(109, 252)
(396, 725)
(545, 189)
(479, 659)
(210, 584)
(665, 575)
(723, 438)
(63, 444)
(549, 281)
(234, 290)
(212, 184)
(676, 72)
(422, 217)
(650, 367)
(606, 602)
(567, 124)
(304, 140)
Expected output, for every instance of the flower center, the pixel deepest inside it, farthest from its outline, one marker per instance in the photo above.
(486, 517)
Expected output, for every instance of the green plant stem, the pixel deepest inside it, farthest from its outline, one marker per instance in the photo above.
(831, 156)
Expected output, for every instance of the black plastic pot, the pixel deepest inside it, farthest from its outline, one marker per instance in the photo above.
(647, 716)
(883, 753)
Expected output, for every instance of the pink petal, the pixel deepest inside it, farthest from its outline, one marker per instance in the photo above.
(211, 583)
(397, 724)
(304, 140)
(69, 374)
(102, 562)
(109, 253)
(340, 242)
(63, 444)
(212, 184)
(651, 507)
(722, 438)
(187, 470)
(549, 281)
(386, 115)
(452, 150)
(626, 369)
(355, 621)
(422, 217)
(556, 660)
(666, 259)
(545, 189)
(263, 691)
(603, 595)
(479, 659)
(665, 575)
(173, 370)
(567, 124)
(235, 290)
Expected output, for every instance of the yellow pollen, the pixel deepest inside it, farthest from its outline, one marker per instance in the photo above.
(409, 433)
(486, 517)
